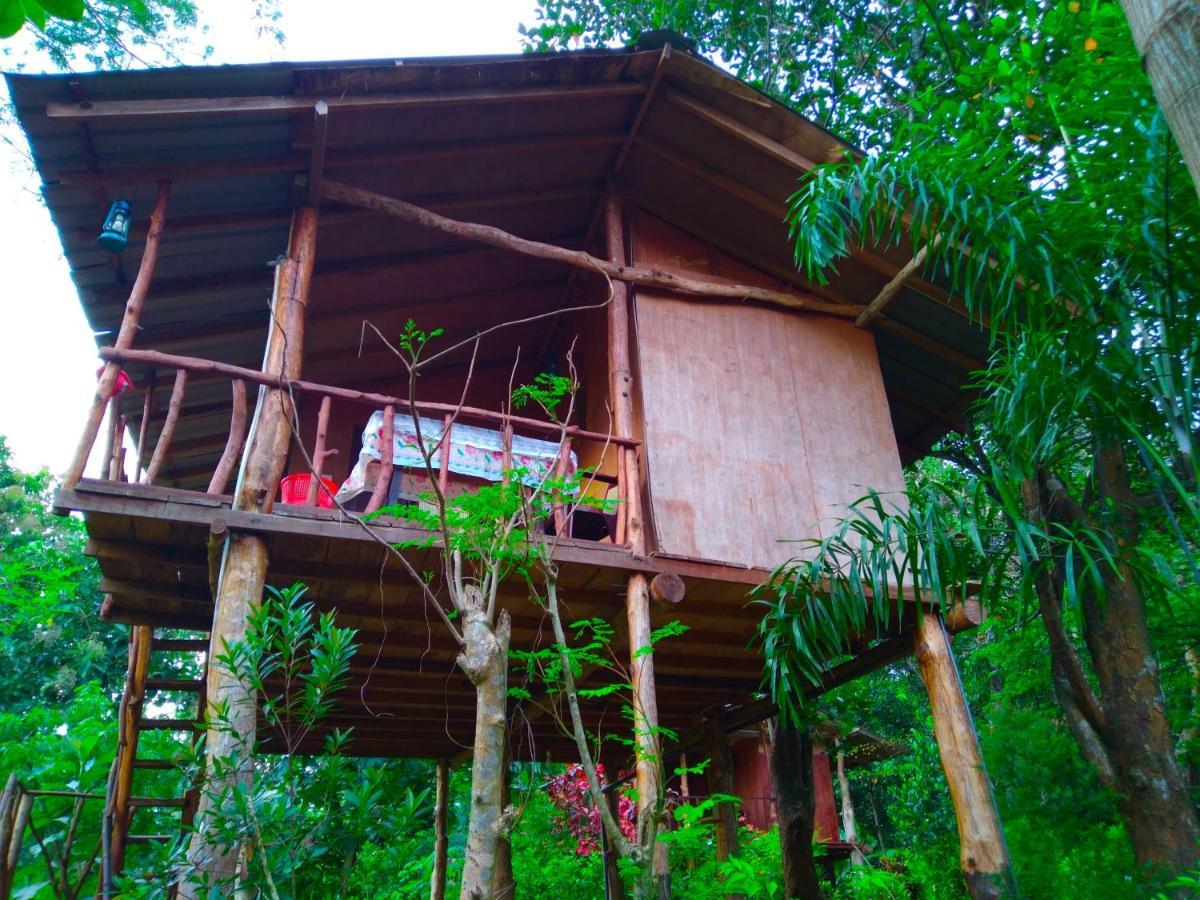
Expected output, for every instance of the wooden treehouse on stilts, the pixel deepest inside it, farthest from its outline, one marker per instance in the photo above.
(725, 402)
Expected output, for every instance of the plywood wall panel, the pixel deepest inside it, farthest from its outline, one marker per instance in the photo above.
(760, 424)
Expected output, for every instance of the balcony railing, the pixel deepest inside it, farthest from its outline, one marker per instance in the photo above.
(508, 426)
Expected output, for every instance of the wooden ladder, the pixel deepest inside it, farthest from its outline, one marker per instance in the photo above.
(144, 644)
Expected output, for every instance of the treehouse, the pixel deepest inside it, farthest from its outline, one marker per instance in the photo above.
(614, 216)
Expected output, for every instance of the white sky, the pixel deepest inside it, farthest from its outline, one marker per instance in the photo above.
(47, 354)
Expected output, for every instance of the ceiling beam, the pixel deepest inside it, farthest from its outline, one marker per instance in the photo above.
(95, 110)
(183, 170)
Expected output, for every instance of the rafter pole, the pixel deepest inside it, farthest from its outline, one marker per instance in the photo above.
(656, 278)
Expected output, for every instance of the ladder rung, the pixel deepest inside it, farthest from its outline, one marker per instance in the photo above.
(156, 801)
(154, 764)
(179, 644)
(148, 838)
(167, 725)
(173, 684)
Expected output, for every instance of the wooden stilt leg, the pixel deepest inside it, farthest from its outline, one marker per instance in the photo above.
(792, 775)
(720, 781)
(243, 572)
(983, 851)
(441, 840)
(637, 596)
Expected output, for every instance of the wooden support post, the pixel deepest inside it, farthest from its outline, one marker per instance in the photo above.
(233, 446)
(141, 638)
(387, 436)
(319, 452)
(720, 781)
(441, 838)
(244, 568)
(110, 437)
(113, 463)
(129, 326)
(983, 851)
(792, 775)
(163, 447)
(647, 752)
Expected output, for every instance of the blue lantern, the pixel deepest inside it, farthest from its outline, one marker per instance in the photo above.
(115, 233)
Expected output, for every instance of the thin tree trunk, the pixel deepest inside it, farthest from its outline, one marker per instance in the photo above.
(849, 823)
(792, 774)
(441, 833)
(484, 659)
(1167, 36)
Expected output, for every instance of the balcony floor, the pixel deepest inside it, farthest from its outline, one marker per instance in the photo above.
(406, 696)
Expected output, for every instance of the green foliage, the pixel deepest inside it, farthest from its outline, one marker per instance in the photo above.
(50, 638)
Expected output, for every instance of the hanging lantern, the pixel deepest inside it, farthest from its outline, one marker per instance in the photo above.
(115, 233)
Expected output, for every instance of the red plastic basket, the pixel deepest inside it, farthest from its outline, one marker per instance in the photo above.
(294, 490)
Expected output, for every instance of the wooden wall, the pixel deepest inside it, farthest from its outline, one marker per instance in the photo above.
(760, 424)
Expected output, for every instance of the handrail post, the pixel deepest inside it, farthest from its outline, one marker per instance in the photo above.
(387, 451)
(144, 427)
(561, 463)
(168, 430)
(233, 446)
(129, 326)
(319, 452)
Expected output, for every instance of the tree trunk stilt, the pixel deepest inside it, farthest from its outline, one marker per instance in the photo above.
(792, 775)
(720, 781)
(244, 567)
(441, 834)
(983, 851)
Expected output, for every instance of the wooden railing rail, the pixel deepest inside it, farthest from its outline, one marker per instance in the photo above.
(198, 366)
